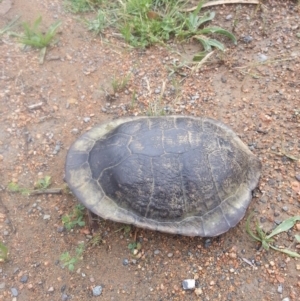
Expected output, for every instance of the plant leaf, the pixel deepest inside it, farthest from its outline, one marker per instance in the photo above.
(219, 30)
(286, 251)
(284, 226)
(297, 237)
(249, 231)
(208, 17)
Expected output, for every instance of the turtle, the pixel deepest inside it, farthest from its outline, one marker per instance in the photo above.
(184, 175)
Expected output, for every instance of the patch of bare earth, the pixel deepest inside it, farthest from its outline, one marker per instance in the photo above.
(253, 87)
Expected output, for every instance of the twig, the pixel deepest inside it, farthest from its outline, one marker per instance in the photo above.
(220, 2)
(284, 154)
(35, 106)
(196, 68)
(46, 191)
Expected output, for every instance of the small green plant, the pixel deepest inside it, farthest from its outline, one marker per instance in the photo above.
(119, 84)
(70, 261)
(99, 23)
(75, 218)
(266, 240)
(96, 240)
(34, 37)
(3, 252)
(79, 6)
(43, 183)
(14, 187)
(134, 247)
(126, 228)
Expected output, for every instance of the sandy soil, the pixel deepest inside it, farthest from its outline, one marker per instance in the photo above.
(253, 87)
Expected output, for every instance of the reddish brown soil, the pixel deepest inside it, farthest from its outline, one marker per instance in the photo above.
(260, 101)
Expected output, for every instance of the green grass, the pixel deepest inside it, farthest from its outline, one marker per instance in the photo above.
(75, 218)
(120, 83)
(41, 184)
(267, 240)
(143, 23)
(3, 252)
(34, 37)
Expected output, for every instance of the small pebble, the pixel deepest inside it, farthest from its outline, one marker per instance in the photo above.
(5, 232)
(24, 278)
(14, 292)
(170, 255)
(298, 177)
(207, 243)
(64, 297)
(157, 91)
(97, 290)
(51, 289)
(228, 17)
(86, 119)
(247, 39)
(262, 57)
(125, 262)
(74, 131)
(280, 289)
(188, 284)
(2, 285)
(285, 208)
(46, 216)
(57, 148)
(156, 252)
(286, 299)
(60, 229)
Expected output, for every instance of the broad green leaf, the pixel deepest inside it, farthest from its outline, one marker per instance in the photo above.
(265, 245)
(199, 56)
(284, 226)
(215, 43)
(286, 251)
(204, 43)
(297, 237)
(249, 231)
(208, 17)
(199, 7)
(219, 30)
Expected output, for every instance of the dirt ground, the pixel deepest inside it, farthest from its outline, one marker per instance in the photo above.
(253, 87)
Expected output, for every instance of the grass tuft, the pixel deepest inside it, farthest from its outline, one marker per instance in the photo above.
(267, 240)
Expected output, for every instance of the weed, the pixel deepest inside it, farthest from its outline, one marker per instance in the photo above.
(96, 240)
(43, 183)
(14, 187)
(126, 228)
(34, 37)
(143, 26)
(119, 84)
(99, 23)
(77, 6)
(143, 23)
(75, 218)
(266, 240)
(134, 246)
(3, 252)
(69, 261)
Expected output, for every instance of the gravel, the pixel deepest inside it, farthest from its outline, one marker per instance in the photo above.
(188, 284)
(14, 292)
(97, 290)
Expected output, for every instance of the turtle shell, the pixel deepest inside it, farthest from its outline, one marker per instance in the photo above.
(175, 174)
